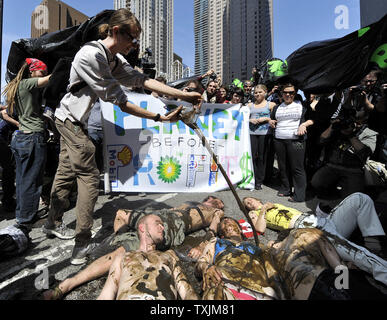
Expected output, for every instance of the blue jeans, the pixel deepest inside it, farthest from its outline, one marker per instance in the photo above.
(30, 152)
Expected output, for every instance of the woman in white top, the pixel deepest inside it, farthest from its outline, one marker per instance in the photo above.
(289, 143)
(260, 133)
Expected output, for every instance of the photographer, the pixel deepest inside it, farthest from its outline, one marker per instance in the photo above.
(209, 95)
(348, 144)
(249, 92)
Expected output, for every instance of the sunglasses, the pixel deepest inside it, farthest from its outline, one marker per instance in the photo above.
(132, 39)
(292, 93)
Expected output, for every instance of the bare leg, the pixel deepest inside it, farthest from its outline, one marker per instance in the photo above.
(95, 270)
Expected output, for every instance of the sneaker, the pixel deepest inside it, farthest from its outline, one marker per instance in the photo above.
(81, 252)
(61, 231)
(40, 214)
(142, 194)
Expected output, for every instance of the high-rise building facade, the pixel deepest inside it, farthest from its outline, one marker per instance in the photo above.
(156, 18)
(177, 67)
(54, 15)
(232, 36)
(201, 36)
(250, 37)
(372, 11)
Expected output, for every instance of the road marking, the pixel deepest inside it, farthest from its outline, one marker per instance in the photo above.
(53, 254)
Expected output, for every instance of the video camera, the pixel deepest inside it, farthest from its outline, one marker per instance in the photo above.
(143, 62)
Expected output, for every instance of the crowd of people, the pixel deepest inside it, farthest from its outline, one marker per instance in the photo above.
(321, 144)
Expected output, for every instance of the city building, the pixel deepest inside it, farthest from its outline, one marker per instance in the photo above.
(232, 36)
(156, 18)
(372, 11)
(54, 15)
(177, 67)
(201, 36)
(187, 71)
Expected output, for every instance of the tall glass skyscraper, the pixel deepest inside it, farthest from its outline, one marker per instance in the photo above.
(201, 36)
(232, 36)
(156, 18)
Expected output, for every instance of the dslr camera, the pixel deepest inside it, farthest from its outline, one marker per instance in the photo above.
(213, 76)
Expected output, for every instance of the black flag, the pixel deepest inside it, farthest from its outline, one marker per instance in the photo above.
(326, 66)
(56, 49)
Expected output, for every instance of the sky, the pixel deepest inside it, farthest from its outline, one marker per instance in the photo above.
(296, 22)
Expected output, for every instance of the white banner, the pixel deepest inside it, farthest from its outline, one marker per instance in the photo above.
(146, 156)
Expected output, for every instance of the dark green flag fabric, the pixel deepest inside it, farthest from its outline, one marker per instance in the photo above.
(324, 66)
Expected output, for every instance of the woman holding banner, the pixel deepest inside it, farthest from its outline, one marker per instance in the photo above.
(98, 71)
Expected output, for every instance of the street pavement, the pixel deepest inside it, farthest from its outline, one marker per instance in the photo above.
(48, 260)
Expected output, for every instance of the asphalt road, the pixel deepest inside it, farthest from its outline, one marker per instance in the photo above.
(24, 276)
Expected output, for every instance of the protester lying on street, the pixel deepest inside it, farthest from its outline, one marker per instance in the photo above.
(235, 269)
(311, 269)
(24, 97)
(177, 222)
(98, 70)
(147, 274)
(357, 210)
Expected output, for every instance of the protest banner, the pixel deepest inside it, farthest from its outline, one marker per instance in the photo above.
(145, 156)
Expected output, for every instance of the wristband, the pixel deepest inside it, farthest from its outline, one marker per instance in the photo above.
(157, 117)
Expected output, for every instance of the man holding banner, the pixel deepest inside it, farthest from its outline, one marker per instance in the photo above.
(97, 71)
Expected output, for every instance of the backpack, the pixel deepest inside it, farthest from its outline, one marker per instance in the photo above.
(13, 241)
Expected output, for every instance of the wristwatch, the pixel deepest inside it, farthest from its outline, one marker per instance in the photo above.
(157, 117)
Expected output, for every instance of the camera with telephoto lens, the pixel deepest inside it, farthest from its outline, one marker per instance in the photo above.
(359, 89)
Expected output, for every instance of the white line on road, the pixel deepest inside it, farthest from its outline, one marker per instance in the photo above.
(53, 254)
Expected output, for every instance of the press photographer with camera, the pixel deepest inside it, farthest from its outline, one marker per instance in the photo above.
(348, 144)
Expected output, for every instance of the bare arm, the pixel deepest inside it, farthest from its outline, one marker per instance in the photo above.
(329, 252)
(43, 81)
(183, 287)
(302, 128)
(142, 113)
(161, 88)
(110, 288)
(9, 119)
(210, 273)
